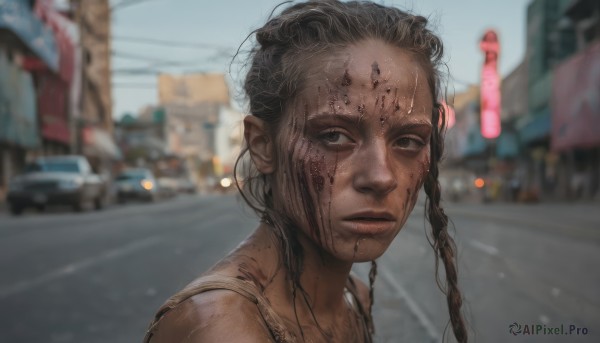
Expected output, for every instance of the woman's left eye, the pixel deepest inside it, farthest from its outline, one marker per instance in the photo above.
(410, 143)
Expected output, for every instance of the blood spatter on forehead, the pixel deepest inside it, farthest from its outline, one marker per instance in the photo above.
(412, 100)
(375, 72)
(346, 99)
(346, 79)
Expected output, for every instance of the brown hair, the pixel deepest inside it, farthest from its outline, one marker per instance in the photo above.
(275, 77)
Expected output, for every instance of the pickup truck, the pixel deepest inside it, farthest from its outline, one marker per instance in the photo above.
(64, 180)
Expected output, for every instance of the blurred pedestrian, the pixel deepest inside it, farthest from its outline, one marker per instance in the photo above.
(345, 128)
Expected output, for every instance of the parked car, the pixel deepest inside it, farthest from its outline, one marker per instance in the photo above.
(65, 180)
(138, 184)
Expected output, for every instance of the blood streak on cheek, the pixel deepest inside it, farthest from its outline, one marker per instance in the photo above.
(316, 166)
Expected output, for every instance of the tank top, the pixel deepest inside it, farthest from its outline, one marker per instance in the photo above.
(247, 289)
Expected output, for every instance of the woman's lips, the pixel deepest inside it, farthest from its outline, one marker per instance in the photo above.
(370, 222)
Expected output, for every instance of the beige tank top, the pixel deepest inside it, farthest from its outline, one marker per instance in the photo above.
(248, 290)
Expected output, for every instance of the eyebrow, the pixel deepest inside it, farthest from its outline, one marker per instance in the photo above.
(405, 123)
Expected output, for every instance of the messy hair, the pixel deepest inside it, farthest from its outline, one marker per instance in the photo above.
(276, 75)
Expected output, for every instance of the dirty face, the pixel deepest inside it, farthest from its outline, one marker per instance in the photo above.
(353, 149)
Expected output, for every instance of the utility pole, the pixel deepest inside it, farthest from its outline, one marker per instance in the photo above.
(93, 19)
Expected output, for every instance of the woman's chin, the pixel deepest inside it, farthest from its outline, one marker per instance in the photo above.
(366, 250)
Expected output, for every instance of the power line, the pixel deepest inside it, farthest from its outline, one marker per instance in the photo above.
(133, 85)
(169, 43)
(127, 3)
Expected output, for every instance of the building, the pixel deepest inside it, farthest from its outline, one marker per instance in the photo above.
(548, 43)
(25, 40)
(575, 104)
(94, 126)
(200, 125)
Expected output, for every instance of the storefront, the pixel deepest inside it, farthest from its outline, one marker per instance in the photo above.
(22, 35)
(576, 120)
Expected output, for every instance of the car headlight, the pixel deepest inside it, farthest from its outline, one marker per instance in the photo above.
(70, 184)
(147, 184)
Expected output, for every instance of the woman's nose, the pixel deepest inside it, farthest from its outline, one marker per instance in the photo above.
(374, 173)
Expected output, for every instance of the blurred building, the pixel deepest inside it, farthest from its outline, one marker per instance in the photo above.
(200, 125)
(95, 124)
(575, 102)
(142, 139)
(34, 66)
(548, 43)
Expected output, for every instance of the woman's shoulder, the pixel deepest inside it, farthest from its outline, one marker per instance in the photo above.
(216, 315)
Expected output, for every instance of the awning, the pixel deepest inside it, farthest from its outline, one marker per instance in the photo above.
(98, 143)
(17, 17)
(507, 145)
(535, 126)
(476, 144)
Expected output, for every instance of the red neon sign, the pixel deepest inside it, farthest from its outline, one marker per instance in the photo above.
(490, 86)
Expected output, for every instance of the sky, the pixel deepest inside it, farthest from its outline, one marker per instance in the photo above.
(202, 35)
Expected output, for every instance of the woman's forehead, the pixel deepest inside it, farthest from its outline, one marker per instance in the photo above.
(369, 66)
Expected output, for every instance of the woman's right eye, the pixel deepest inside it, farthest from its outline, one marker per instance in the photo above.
(334, 137)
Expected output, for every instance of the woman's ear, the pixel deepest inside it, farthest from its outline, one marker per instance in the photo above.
(260, 144)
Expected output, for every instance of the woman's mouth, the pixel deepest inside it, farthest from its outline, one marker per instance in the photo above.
(369, 222)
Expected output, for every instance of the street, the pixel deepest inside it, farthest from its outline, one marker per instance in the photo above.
(100, 276)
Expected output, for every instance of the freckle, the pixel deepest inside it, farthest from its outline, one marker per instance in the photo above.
(375, 83)
(346, 99)
(388, 90)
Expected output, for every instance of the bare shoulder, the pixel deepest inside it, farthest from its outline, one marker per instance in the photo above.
(212, 316)
(362, 291)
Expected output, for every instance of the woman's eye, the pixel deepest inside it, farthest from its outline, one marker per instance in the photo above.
(335, 138)
(410, 143)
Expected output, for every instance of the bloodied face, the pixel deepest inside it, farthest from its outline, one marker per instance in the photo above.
(353, 149)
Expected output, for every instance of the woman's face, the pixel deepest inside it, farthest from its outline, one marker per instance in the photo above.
(353, 149)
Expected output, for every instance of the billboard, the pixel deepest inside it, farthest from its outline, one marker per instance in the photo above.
(193, 89)
(575, 101)
(490, 86)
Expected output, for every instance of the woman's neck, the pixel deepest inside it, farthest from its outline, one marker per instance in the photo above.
(323, 278)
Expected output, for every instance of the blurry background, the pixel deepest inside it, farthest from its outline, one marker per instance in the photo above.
(148, 92)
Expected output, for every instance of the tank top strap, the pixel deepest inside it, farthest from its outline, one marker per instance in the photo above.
(244, 288)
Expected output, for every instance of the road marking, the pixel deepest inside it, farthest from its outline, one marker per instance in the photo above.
(488, 249)
(412, 304)
(76, 267)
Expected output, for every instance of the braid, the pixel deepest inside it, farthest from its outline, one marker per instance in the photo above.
(443, 245)
(372, 275)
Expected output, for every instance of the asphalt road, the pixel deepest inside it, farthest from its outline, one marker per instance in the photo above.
(99, 276)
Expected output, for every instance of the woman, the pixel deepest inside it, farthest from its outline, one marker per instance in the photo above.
(345, 128)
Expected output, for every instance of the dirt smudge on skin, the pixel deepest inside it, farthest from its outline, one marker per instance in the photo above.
(361, 111)
(375, 73)
(356, 248)
(346, 79)
(412, 101)
(346, 99)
